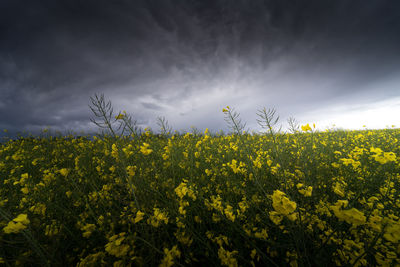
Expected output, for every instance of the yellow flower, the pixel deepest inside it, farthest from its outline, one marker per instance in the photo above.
(275, 217)
(197, 219)
(293, 216)
(227, 257)
(145, 149)
(237, 168)
(115, 246)
(131, 170)
(17, 225)
(383, 157)
(64, 172)
(13, 227)
(289, 206)
(24, 177)
(338, 189)
(375, 223)
(25, 190)
(169, 256)
(160, 215)
(119, 116)
(38, 208)
(304, 191)
(354, 216)
(351, 216)
(306, 128)
(253, 254)
(157, 218)
(88, 229)
(114, 151)
(139, 216)
(51, 230)
(392, 232)
(181, 190)
(376, 150)
(282, 204)
(262, 235)
(229, 213)
(112, 169)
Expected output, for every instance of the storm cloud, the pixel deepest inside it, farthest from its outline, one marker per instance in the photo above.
(319, 61)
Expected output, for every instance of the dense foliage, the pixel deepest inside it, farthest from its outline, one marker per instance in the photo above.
(303, 199)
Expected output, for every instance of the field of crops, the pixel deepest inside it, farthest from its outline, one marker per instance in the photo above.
(304, 199)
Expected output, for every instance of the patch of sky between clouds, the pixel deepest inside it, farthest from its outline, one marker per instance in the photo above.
(377, 115)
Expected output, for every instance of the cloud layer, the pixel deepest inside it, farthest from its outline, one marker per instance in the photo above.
(185, 60)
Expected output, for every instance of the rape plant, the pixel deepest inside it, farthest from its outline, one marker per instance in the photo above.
(104, 111)
(233, 120)
(165, 128)
(106, 120)
(294, 126)
(128, 123)
(268, 120)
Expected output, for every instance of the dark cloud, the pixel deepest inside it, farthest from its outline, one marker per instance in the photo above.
(151, 106)
(192, 57)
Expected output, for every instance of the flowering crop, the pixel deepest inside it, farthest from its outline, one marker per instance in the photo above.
(304, 199)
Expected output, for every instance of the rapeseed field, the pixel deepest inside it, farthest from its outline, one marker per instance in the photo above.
(303, 199)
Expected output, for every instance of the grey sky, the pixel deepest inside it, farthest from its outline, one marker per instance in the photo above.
(319, 61)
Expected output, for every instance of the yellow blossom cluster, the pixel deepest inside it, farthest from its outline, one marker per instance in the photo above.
(382, 157)
(351, 216)
(306, 128)
(237, 167)
(17, 225)
(169, 256)
(283, 206)
(116, 245)
(158, 218)
(145, 149)
(305, 191)
(309, 198)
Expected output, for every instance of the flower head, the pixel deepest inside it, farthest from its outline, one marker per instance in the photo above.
(306, 127)
(17, 225)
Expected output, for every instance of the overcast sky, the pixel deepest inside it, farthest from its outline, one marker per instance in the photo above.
(328, 62)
